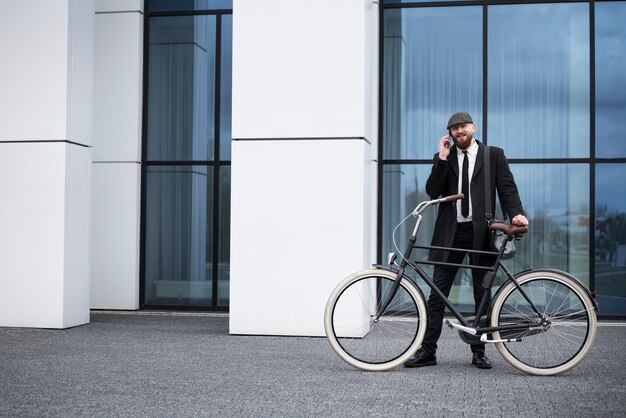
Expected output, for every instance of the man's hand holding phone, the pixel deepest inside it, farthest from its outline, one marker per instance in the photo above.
(444, 147)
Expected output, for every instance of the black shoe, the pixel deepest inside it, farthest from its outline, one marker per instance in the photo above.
(421, 359)
(480, 360)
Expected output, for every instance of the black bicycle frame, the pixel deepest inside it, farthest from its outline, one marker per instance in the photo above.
(487, 284)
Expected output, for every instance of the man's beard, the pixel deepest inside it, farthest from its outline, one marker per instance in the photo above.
(464, 143)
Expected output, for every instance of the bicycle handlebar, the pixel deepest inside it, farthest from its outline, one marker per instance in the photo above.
(422, 206)
(454, 197)
(509, 230)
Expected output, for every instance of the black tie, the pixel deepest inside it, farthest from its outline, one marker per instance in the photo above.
(465, 186)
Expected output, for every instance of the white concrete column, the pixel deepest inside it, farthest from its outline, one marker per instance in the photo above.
(302, 172)
(117, 154)
(45, 161)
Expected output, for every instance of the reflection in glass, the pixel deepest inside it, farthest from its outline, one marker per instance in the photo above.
(181, 88)
(610, 238)
(556, 201)
(610, 79)
(403, 189)
(427, 76)
(538, 104)
(179, 231)
(226, 70)
(223, 251)
(187, 222)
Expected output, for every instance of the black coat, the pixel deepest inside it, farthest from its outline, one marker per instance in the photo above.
(443, 181)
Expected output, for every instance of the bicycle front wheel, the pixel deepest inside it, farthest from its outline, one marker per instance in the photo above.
(366, 342)
(568, 318)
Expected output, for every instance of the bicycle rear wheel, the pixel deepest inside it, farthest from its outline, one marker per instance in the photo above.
(370, 344)
(567, 333)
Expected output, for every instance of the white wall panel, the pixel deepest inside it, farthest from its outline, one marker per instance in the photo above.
(118, 86)
(77, 235)
(34, 70)
(303, 80)
(46, 95)
(80, 71)
(300, 222)
(299, 68)
(43, 245)
(119, 5)
(115, 236)
(117, 153)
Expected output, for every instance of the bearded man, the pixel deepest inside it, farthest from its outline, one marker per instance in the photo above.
(459, 168)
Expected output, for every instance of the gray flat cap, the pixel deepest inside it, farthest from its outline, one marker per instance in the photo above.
(459, 117)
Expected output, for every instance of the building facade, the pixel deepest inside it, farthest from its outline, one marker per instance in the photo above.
(244, 156)
(541, 81)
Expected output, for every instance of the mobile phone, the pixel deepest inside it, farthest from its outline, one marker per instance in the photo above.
(450, 139)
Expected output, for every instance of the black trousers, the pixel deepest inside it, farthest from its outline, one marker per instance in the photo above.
(443, 277)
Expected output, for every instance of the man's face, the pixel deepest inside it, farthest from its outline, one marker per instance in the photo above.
(463, 134)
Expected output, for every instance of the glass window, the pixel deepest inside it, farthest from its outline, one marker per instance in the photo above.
(556, 202)
(610, 238)
(179, 236)
(538, 75)
(223, 251)
(226, 69)
(187, 172)
(610, 78)
(181, 93)
(187, 5)
(404, 188)
(427, 76)
(538, 80)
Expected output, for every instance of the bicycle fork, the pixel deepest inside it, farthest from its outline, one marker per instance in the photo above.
(383, 307)
(405, 256)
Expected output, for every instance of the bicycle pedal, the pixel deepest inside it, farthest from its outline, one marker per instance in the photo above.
(483, 339)
(471, 331)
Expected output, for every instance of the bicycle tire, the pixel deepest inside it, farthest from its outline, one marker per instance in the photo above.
(564, 341)
(360, 340)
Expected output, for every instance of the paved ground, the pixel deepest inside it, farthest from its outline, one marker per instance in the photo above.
(187, 365)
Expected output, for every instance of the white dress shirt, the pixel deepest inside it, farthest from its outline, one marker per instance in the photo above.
(472, 152)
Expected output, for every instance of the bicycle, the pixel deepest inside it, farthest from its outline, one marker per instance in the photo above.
(542, 321)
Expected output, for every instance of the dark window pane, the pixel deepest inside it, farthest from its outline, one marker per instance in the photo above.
(181, 90)
(610, 78)
(187, 222)
(538, 68)
(223, 273)
(226, 87)
(187, 5)
(610, 238)
(404, 186)
(427, 76)
(179, 236)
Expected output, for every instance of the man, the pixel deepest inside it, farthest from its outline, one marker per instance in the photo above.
(462, 224)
